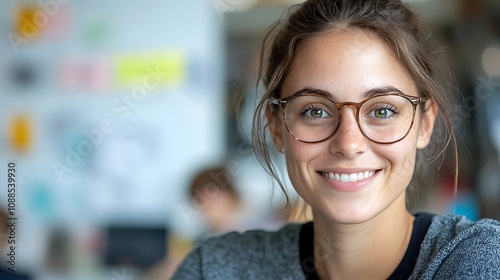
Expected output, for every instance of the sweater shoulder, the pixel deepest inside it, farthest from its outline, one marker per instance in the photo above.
(254, 254)
(254, 247)
(254, 238)
(458, 247)
(446, 232)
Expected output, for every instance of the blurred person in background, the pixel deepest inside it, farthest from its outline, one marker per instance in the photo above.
(221, 209)
(219, 203)
(213, 194)
(351, 98)
(4, 233)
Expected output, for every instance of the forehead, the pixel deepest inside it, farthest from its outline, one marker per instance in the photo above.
(346, 63)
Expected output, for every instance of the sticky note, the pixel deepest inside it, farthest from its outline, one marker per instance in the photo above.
(21, 135)
(160, 69)
(28, 26)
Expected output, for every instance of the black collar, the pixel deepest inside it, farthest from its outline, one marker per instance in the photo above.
(405, 267)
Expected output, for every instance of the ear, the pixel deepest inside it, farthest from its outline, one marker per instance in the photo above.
(276, 129)
(426, 124)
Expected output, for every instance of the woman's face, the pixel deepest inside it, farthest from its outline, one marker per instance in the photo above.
(347, 64)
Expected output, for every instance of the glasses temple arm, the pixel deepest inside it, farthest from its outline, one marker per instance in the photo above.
(276, 101)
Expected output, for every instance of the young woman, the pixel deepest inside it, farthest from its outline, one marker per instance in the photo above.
(350, 100)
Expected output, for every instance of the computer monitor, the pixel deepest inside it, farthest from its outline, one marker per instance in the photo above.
(139, 247)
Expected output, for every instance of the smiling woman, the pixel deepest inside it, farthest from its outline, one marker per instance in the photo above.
(357, 141)
(351, 97)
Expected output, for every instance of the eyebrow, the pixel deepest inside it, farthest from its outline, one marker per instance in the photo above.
(368, 93)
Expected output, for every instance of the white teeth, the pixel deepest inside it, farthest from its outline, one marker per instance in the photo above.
(344, 178)
(353, 177)
(348, 178)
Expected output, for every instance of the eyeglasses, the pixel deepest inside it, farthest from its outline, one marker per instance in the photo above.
(382, 118)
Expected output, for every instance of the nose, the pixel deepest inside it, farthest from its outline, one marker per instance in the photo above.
(348, 141)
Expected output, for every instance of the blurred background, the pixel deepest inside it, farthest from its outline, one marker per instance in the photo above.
(114, 113)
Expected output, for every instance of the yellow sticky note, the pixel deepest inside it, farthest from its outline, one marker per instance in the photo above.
(21, 136)
(29, 22)
(160, 69)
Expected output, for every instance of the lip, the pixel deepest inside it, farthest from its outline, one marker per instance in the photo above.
(348, 186)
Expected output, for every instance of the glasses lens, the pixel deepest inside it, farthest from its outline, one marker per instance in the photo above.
(311, 118)
(386, 118)
(382, 119)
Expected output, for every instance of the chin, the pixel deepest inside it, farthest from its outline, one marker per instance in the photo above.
(349, 215)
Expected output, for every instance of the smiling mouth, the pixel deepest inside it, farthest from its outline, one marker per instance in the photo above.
(348, 178)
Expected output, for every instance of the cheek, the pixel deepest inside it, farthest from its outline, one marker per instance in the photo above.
(295, 158)
(298, 156)
(299, 159)
(299, 153)
(401, 159)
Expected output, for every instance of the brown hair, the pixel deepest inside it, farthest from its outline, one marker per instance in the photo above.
(395, 24)
(210, 182)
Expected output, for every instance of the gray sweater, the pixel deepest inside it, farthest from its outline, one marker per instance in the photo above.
(453, 248)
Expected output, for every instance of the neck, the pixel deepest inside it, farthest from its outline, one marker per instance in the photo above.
(369, 250)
